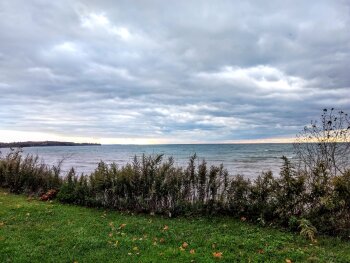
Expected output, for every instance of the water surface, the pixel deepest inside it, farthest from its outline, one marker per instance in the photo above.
(247, 159)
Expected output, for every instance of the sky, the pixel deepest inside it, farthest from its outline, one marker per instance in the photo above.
(148, 72)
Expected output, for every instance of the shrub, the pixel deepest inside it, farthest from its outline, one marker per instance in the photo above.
(263, 202)
(27, 175)
(67, 189)
(238, 195)
(289, 194)
(325, 142)
(307, 229)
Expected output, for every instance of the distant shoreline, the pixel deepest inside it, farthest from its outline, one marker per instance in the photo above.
(43, 144)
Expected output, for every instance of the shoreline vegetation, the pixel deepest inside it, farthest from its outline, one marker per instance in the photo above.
(307, 202)
(43, 144)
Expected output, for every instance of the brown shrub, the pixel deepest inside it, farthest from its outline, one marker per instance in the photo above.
(49, 195)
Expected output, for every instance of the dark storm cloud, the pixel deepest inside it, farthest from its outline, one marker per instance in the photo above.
(194, 71)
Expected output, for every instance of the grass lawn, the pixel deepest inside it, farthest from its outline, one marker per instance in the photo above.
(34, 231)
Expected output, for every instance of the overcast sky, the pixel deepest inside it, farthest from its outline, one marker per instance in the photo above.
(170, 71)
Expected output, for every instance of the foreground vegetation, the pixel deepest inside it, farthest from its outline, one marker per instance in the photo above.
(304, 202)
(34, 231)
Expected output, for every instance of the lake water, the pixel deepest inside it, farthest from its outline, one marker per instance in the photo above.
(247, 159)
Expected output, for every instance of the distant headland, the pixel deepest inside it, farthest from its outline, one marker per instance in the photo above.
(43, 143)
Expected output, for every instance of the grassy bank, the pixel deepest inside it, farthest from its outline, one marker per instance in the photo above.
(34, 231)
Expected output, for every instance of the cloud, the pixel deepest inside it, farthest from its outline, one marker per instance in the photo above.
(186, 72)
(263, 78)
(97, 22)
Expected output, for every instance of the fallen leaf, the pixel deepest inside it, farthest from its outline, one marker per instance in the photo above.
(161, 240)
(165, 227)
(184, 245)
(243, 219)
(217, 254)
(288, 261)
(260, 251)
(122, 226)
(192, 251)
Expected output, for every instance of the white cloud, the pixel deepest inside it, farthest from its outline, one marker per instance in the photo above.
(47, 73)
(99, 70)
(95, 22)
(262, 77)
(66, 47)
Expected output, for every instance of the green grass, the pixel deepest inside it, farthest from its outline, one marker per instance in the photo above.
(34, 231)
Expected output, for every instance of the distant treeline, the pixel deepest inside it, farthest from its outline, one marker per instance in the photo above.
(42, 143)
